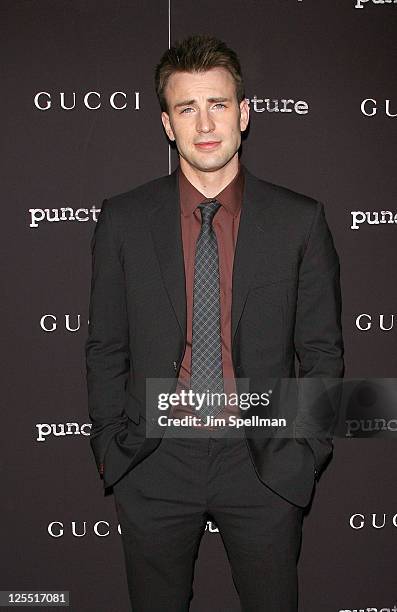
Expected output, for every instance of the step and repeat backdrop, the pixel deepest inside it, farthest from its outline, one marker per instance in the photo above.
(81, 122)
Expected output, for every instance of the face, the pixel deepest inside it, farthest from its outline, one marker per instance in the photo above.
(204, 117)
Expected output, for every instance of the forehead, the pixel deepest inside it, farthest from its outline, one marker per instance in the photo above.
(216, 81)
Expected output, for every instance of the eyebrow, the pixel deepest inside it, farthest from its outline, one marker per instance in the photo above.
(190, 102)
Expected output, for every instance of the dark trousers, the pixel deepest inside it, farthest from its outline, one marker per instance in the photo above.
(163, 505)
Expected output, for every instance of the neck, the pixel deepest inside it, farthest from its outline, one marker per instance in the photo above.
(210, 183)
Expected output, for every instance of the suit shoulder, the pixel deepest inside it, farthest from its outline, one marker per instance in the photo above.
(285, 199)
(138, 196)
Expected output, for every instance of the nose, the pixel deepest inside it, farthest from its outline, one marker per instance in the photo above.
(205, 123)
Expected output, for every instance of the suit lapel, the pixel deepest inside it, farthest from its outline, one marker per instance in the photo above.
(250, 256)
(250, 253)
(165, 226)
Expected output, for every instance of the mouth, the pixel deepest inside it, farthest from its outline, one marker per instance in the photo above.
(208, 145)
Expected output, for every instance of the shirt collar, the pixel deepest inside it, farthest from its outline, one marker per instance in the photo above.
(230, 197)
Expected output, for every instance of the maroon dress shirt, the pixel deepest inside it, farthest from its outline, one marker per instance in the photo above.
(225, 225)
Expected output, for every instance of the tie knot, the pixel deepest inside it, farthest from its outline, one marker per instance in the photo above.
(208, 210)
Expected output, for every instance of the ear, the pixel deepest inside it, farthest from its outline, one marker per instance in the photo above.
(244, 114)
(167, 125)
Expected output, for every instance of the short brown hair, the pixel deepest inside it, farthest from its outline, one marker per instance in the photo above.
(197, 53)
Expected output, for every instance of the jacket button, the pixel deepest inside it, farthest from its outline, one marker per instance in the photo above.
(174, 364)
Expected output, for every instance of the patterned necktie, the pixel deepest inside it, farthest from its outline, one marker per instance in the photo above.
(206, 367)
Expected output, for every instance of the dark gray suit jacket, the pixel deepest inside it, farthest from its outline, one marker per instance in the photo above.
(286, 303)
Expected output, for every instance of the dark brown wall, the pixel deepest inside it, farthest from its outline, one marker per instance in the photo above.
(327, 53)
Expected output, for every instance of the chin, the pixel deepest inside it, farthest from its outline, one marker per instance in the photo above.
(210, 165)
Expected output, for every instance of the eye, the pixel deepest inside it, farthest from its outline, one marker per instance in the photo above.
(189, 108)
(220, 104)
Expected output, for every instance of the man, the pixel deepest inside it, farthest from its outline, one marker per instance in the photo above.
(207, 277)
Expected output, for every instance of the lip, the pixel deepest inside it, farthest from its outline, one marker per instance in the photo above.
(211, 144)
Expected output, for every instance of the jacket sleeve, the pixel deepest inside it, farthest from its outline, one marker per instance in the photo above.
(107, 344)
(318, 339)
